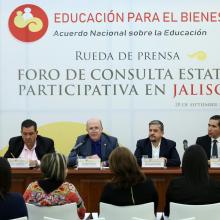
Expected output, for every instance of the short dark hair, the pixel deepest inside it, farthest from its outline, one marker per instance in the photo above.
(28, 123)
(195, 165)
(157, 122)
(53, 166)
(217, 118)
(126, 171)
(5, 177)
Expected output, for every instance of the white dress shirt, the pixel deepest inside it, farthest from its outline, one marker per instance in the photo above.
(29, 154)
(155, 150)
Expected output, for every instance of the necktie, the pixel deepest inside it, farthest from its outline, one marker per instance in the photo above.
(215, 149)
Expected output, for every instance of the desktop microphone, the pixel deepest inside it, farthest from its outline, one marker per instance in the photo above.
(78, 145)
(185, 144)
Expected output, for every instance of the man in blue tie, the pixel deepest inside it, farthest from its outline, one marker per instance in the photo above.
(94, 144)
(211, 141)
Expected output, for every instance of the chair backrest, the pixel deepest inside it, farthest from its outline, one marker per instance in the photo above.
(21, 218)
(64, 212)
(144, 211)
(48, 218)
(193, 218)
(135, 218)
(201, 212)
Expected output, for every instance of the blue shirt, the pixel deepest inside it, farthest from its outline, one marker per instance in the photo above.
(96, 148)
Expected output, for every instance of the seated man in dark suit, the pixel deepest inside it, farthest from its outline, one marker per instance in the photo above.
(95, 144)
(29, 145)
(156, 146)
(211, 142)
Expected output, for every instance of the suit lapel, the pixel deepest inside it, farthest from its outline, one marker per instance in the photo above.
(149, 149)
(19, 148)
(209, 146)
(104, 145)
(162, 148)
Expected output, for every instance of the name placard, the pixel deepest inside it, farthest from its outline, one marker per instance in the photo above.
(18, 163)
(153, 162)
(89, 163)
(215, 163)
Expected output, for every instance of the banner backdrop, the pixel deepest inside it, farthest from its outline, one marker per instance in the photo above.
(127, 63)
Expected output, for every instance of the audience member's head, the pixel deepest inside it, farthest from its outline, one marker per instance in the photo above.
(195, 165)
(5, 177)
(54, 166)
(125, 168)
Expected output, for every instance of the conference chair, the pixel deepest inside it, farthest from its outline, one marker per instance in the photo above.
(21, 218)
(201, 212)
(193, 218)
(144, 211)
(159, 217)
(63, 212)
(134, 218)
(48, 218)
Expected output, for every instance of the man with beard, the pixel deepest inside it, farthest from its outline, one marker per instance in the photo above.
(156, 146)
(94, 144)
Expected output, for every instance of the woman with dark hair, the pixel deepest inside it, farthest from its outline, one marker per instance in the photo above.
(129, 185)
(12, 205)
(195, 186)
(52, 189)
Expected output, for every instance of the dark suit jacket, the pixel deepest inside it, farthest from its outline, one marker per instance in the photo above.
(167, 150)
(16, 144)
(205, 142)
(12, 206)
(84, 148)
(180, 191)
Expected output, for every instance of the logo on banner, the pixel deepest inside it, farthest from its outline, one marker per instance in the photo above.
(28, 23)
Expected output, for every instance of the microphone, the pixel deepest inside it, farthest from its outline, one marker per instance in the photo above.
(185, 144)
(78, 145)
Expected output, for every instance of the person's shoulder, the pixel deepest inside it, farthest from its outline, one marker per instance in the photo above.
(15, 139)
(144, 140)
(34, 185)
(205, 137)
(15, 195)
(67, 186)
(109, 187)
(109, 137)
(82, 138)
(146, 185)
(169, 142)
(44, 139)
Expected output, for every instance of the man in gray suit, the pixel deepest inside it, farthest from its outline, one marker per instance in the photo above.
(94, 144)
